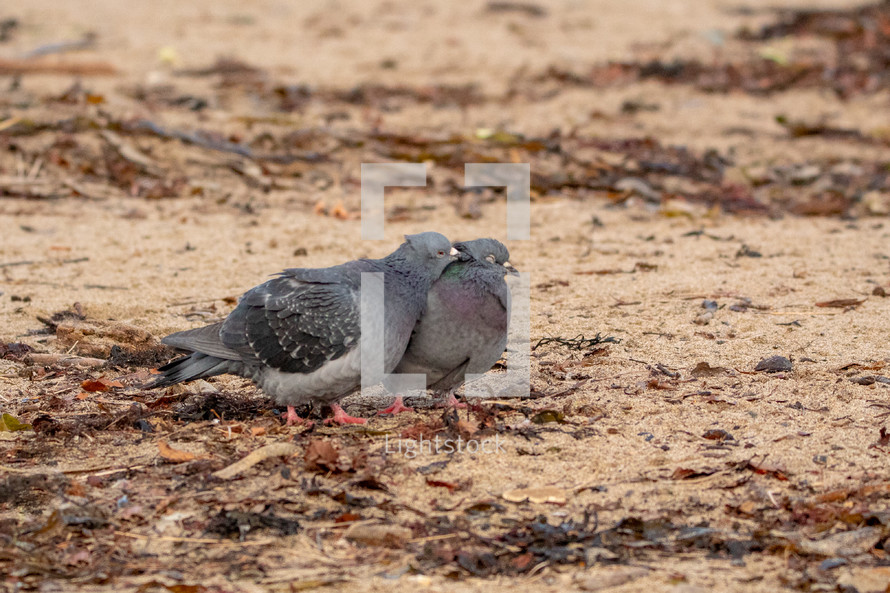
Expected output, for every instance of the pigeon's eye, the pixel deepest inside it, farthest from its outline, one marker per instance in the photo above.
(440, 253)
(490, 258)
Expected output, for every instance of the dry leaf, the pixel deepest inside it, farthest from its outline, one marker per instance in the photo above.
(100, 384)
(841, 303)
(9, 422)
(685, 473)
(174, 455)
(703, 369)
(321, 455)
(339, 211)
(440, 484)
(545, 494)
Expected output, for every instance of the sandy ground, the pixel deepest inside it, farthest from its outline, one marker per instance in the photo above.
(804, 460)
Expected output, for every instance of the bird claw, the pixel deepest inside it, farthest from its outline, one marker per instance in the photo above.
(397, 407)
(341, 417)
(294, 419)
(453, 402)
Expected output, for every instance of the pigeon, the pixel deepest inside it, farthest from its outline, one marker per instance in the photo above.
(298, 336)
(464, 329)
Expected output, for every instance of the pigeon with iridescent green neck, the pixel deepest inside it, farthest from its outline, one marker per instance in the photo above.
(464, 329)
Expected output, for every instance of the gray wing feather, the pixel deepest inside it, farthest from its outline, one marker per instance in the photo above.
(297, 322)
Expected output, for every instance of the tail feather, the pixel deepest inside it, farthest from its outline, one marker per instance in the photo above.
(203, 339)
(194, 366)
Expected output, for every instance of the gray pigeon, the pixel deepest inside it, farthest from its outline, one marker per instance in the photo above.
(464, 329)
(298, 336)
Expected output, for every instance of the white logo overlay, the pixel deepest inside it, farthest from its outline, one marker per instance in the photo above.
(426, 446)
(516, 382)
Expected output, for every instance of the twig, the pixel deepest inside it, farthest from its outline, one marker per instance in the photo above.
(145, 126)
(577, 343)
(194, 540)
(24, 262)
(9, 122)
(131, 153)
(64, 360)
(261, 454)
(16, 67)
(88, 41)
(105, 287)
(28, 262)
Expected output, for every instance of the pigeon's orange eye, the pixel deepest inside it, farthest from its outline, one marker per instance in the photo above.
(441, 253)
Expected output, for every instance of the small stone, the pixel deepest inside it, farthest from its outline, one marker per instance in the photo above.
(805, 174)
(704, 319)
(594, 555)
(634, 185)
(774, 364)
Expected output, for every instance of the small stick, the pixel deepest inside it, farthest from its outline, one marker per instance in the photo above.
(261, 454)
(192, 540)
(64, 360)
(11, 67)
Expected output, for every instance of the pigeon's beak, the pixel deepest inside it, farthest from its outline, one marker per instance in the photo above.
(510, 269)
(454, 253)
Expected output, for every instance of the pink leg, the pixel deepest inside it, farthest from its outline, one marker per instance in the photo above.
(341, 417)
(397, 407)
(292, 418)
(452, 402)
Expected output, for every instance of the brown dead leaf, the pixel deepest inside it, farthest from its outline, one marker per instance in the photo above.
(321, 455)
(100, 384)
(841, 303)
(703, 369)
(340, 212)
(440, 484)
(768, 469)
(174, 455)
(684, 473)
(425, 430)
(467, 428)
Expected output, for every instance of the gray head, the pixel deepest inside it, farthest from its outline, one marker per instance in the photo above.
(489, 252)
(429, 250)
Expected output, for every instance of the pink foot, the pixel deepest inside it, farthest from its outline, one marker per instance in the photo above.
(397, 407)
(292, 418)
(341, 417)
(452, 402)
